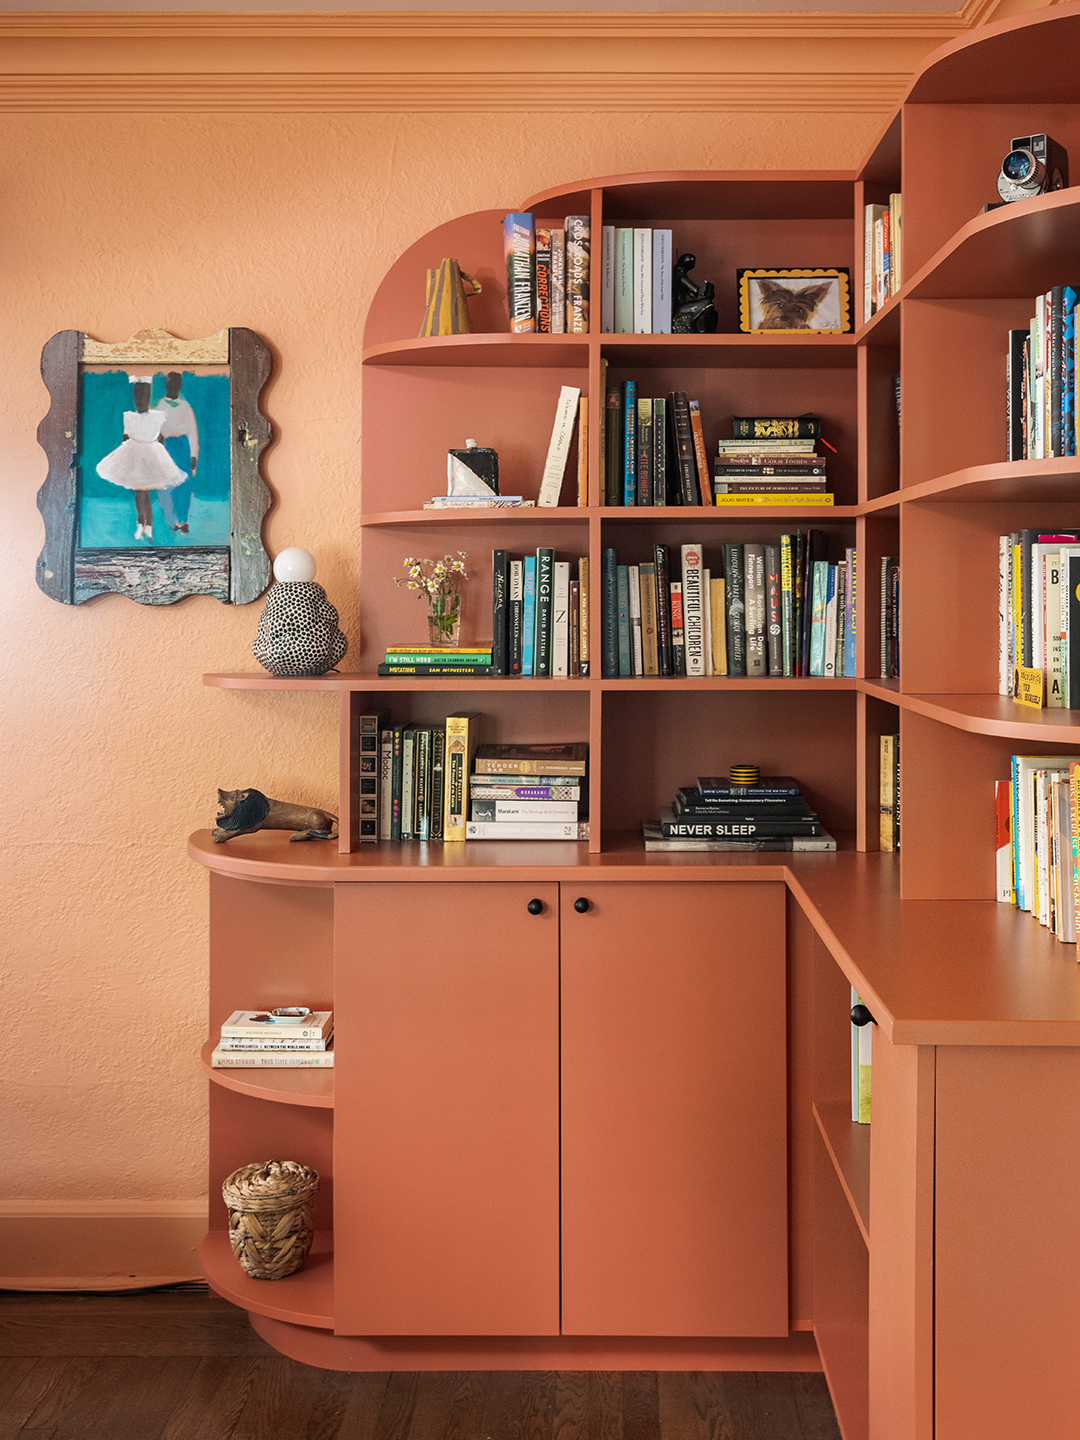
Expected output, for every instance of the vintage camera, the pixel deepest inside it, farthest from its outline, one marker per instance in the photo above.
(1034, 165)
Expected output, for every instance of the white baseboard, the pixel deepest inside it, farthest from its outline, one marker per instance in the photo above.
(99, 1244)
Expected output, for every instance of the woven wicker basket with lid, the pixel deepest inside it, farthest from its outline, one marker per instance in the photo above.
(270, 1219)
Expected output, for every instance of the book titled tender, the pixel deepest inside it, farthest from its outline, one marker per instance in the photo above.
(569, 759)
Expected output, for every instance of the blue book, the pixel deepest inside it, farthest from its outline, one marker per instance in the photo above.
(819, 596)
(851, 622)
(528, 615)
(630, 442)
(609, 637)
(622, 585)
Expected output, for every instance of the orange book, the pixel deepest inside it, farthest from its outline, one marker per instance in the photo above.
(704, 478)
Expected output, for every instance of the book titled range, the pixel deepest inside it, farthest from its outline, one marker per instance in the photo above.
(756, 610)
(539, 615)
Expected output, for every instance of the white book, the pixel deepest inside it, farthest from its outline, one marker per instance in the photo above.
(1004, 614)
(560, 620)
(1024, 768)
(642, 282)
(832, 610)
(257, 1025)
(558, 282)
(661, 282)
(637, 649)
(1052, 695)
(607, 279)
(624, 281)
(527, 830)
(706, 619)
(491, 810)
(271, 1059)
(559, 447)
(873, 214)
(693, 618)
(1066, 928)
(386, 771)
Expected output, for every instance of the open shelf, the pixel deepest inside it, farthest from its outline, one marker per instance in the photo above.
(468, 351)
(501, 516)
(1042, 480)
(998, 715)
(306, 1298)
(848, 1145)
(313, 1087)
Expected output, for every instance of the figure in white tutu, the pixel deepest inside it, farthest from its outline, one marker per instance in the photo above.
(140, 463)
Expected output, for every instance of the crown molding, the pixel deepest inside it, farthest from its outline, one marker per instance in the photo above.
(326, 93)
(415, 25)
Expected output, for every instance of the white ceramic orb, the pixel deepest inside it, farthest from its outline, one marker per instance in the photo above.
(294, 564)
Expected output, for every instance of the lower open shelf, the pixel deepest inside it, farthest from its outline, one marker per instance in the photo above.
(848, 1145)
(306, 1298)
(286, 1086)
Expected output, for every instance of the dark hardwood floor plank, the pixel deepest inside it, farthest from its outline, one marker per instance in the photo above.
(434, 1394)
(693, 1406)
(213, 1401)
(363, 1394)
(588, 1405)
(815, 1407)
(467, 1404)
(761, 1405)
(46, 1390)
(161, 1323)
(503, 1407)
(14, 1375)
(536, 1418)
(571, 1406)
(130, 1398)
(640, 1405)
(291, 1401)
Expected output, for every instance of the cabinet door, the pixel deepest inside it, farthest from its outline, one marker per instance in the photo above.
(446, 1145)
(674, 1110)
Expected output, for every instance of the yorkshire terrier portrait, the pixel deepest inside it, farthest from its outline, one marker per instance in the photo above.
(786, 309)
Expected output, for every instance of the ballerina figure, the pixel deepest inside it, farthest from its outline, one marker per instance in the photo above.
(140, 463)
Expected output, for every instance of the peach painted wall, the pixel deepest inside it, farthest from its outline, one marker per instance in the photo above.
(283, 222)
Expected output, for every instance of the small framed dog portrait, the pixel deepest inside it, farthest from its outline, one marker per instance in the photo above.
(776, 302)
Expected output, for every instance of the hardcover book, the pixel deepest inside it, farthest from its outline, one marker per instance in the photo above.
(754, 602)
(567, 759)
(543, 279)
(369, 787)
(519, 247)
(558, 282)
(693, 618)
(735, 579)
(545, 596)
(500, 630)
(577, 274)
(462, 731)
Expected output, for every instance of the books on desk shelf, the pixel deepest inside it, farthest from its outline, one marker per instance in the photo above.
(253, 1039)
(653, 449)
(717, 814)
(528, 792)
(1038, 613)
(757, 610)
(437, 660)
(1037, 840)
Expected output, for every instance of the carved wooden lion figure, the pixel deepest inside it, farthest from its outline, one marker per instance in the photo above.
(242, 812)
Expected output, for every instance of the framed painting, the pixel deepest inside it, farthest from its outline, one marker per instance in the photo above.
(802, 301)
(154, 489)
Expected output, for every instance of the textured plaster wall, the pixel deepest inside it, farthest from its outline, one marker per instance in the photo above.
(113, 748)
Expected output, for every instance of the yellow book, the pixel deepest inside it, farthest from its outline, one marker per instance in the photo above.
(816, 497)
(461, 736)
(719, 625)
(583, 611)
(887, 791)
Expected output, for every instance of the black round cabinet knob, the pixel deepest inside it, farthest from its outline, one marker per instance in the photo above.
(860, 1016)
(535, 907)
(581, 905)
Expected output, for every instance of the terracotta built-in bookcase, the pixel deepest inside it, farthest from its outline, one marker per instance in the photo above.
(928, 1262)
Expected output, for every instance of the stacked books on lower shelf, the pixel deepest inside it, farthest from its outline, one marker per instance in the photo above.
(299, 1039)
(528, 792)
(734, 813)
(1038, 822)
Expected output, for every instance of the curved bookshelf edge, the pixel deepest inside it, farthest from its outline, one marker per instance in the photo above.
(482, 350)
(306, 1298)
(848, 1145)
(997, 715)
(1042, 480)
(497, 515)
(313, 1088)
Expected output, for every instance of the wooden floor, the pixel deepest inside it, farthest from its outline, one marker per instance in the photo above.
(184, 1365)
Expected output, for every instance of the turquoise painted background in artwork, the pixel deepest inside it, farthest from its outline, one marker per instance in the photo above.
(107, 515)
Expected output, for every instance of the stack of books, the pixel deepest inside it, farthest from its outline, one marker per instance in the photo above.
(635, 281)
(652, 450)
(528, 792)
(721, 813)
(539, 615)
(261, 1039)
(478, 502)
(771, 460)
(437, 660)
(547, 274)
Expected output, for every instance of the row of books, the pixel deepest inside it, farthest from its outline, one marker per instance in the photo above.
(539, 615)
(779, 610)
(547, 274)
(529, 792)
(889, 793)
(1039, 617)
(881, 254)
(722, 814)
(652, 451)
(889, 617)
(1040, 395)
(635, 280)
(292, 1038)
(1038, 820)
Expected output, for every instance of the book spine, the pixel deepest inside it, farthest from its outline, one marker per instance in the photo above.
(271, 1059)
(629, 446)
(484, 670)
(490, 787)
(1014, 396)
(584, 628)
(678, 634)
(369, 784)
(559, 446)
(772, 427)
(607, 279)
(624, 281)
(1068, 371)
(642, 281)
(644, 442)
(693, 620)
(613, 448)
(528, 613)
(661, 281)
(528, 830)
(398, 762)
(754, 602)
(633, 582)
(684, 454)
(438, 783)
(515, 616)
(773, 625)
(743, 829)
(886, 836)
(460, 743)
(787, 605)
(438, 657)
(577, 274)
(262, 1044)
(735, 581)
(660, 452)
(701, 459)
(828, 668)
(819, 599)
(622, 612)
(1055, 368)
(649, 641)
(851, 624)
(560, 620)
(663, 610)
(718, 624)
(545, 582)
(583, 451)
(500, 631)
(386, 772)
(543, 279)
(609, 616)
(494, 811)
(408, 783)
(558, 282)
(519, 246)
(574, 629)
(1072, 650)
(422, 823)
